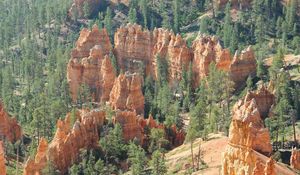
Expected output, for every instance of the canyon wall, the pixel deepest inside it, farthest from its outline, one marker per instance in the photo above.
(9, 127)
(2, 160)
(249, 141)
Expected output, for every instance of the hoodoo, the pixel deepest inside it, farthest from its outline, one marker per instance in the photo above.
(249, 141)
(9, 127)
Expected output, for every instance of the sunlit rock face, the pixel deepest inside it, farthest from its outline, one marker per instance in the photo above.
(126, 94)
(35, 166)
(65, 147)
(9, 127)
(249, 140)
(295, 159)
(2, 160)
(85, 65)
(208, 50)
(135, 47)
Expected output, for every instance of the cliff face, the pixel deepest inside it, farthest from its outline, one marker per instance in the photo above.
(249, 140)
(295, 159)
(2, 160)
(85, 65)
(135, 46)
(242, 66)
(65, 147)
(40, 162)
(130, 125)
(208, 49)
(126, 94)
(9, 127)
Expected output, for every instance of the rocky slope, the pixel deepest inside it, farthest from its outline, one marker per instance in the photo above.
(78, 7)
(9, 127)
(249, 140)
(2, 160)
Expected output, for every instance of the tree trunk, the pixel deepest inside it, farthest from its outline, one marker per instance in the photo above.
(193, 161)
(294, 130)
(199, 156)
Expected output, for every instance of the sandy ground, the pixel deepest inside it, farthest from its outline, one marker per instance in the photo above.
(180, 158)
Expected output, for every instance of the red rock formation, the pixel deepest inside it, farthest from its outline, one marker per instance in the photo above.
(108, 76)
(65, 147)
(9, 127)
(2, 161)
(208, 49)
(78, 6)
(295, 159)
(249, 140)
(40, 162)
(134, 46)
(242, 66)
(85, 65)
(127, 94)
(130, 125)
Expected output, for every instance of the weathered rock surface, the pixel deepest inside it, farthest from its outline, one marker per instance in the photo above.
(85, 65)
(129, 122)
(295, 159)
(40, 162)
(207, 49)
(9, 127)
(65, 147)
(2, 161)
(135, 46)
(249, 140)
(242, 66)
(126, 94)
(134, 127)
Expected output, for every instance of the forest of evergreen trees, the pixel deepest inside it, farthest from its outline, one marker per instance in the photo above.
(36, 37)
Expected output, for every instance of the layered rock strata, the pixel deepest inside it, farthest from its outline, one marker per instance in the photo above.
(9, 127)
(2, 160)
(126, 94)
(65, 147)
(249, 140)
